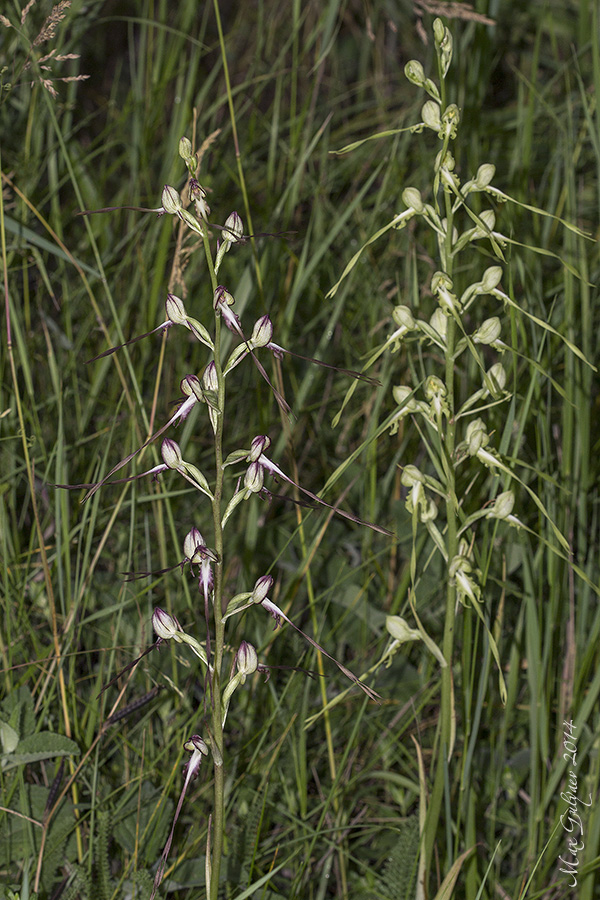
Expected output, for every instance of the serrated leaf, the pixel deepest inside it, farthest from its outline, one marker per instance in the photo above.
(36, 747)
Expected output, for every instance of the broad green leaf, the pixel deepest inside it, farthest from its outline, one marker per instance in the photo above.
(35, 747)
(9, 738)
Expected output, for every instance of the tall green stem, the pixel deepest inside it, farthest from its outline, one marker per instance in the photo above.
(218, 818)
(448, 439)
(219, 626)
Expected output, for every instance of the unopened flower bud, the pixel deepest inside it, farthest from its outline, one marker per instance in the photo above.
(443, 42)
(439, 321)
(165, 626)
(411, 198)
(262, 588)
(491, 278)
(185, 149)
(403, 317)
(246, 659)
(503, 505)
(233, 229)
(414, 72)
(254, 478)
(401, 393)
(262, 333)
(488, 332)
(171, 201)
(171, 454)
(175, 310)
(439, 31)
(431, 115)
(400, 630)
(485, 173)
(476, 436)
(495, 379)
(488, 217)
(259, 445)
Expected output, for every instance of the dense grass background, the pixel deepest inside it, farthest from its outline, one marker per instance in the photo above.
(333, 807)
